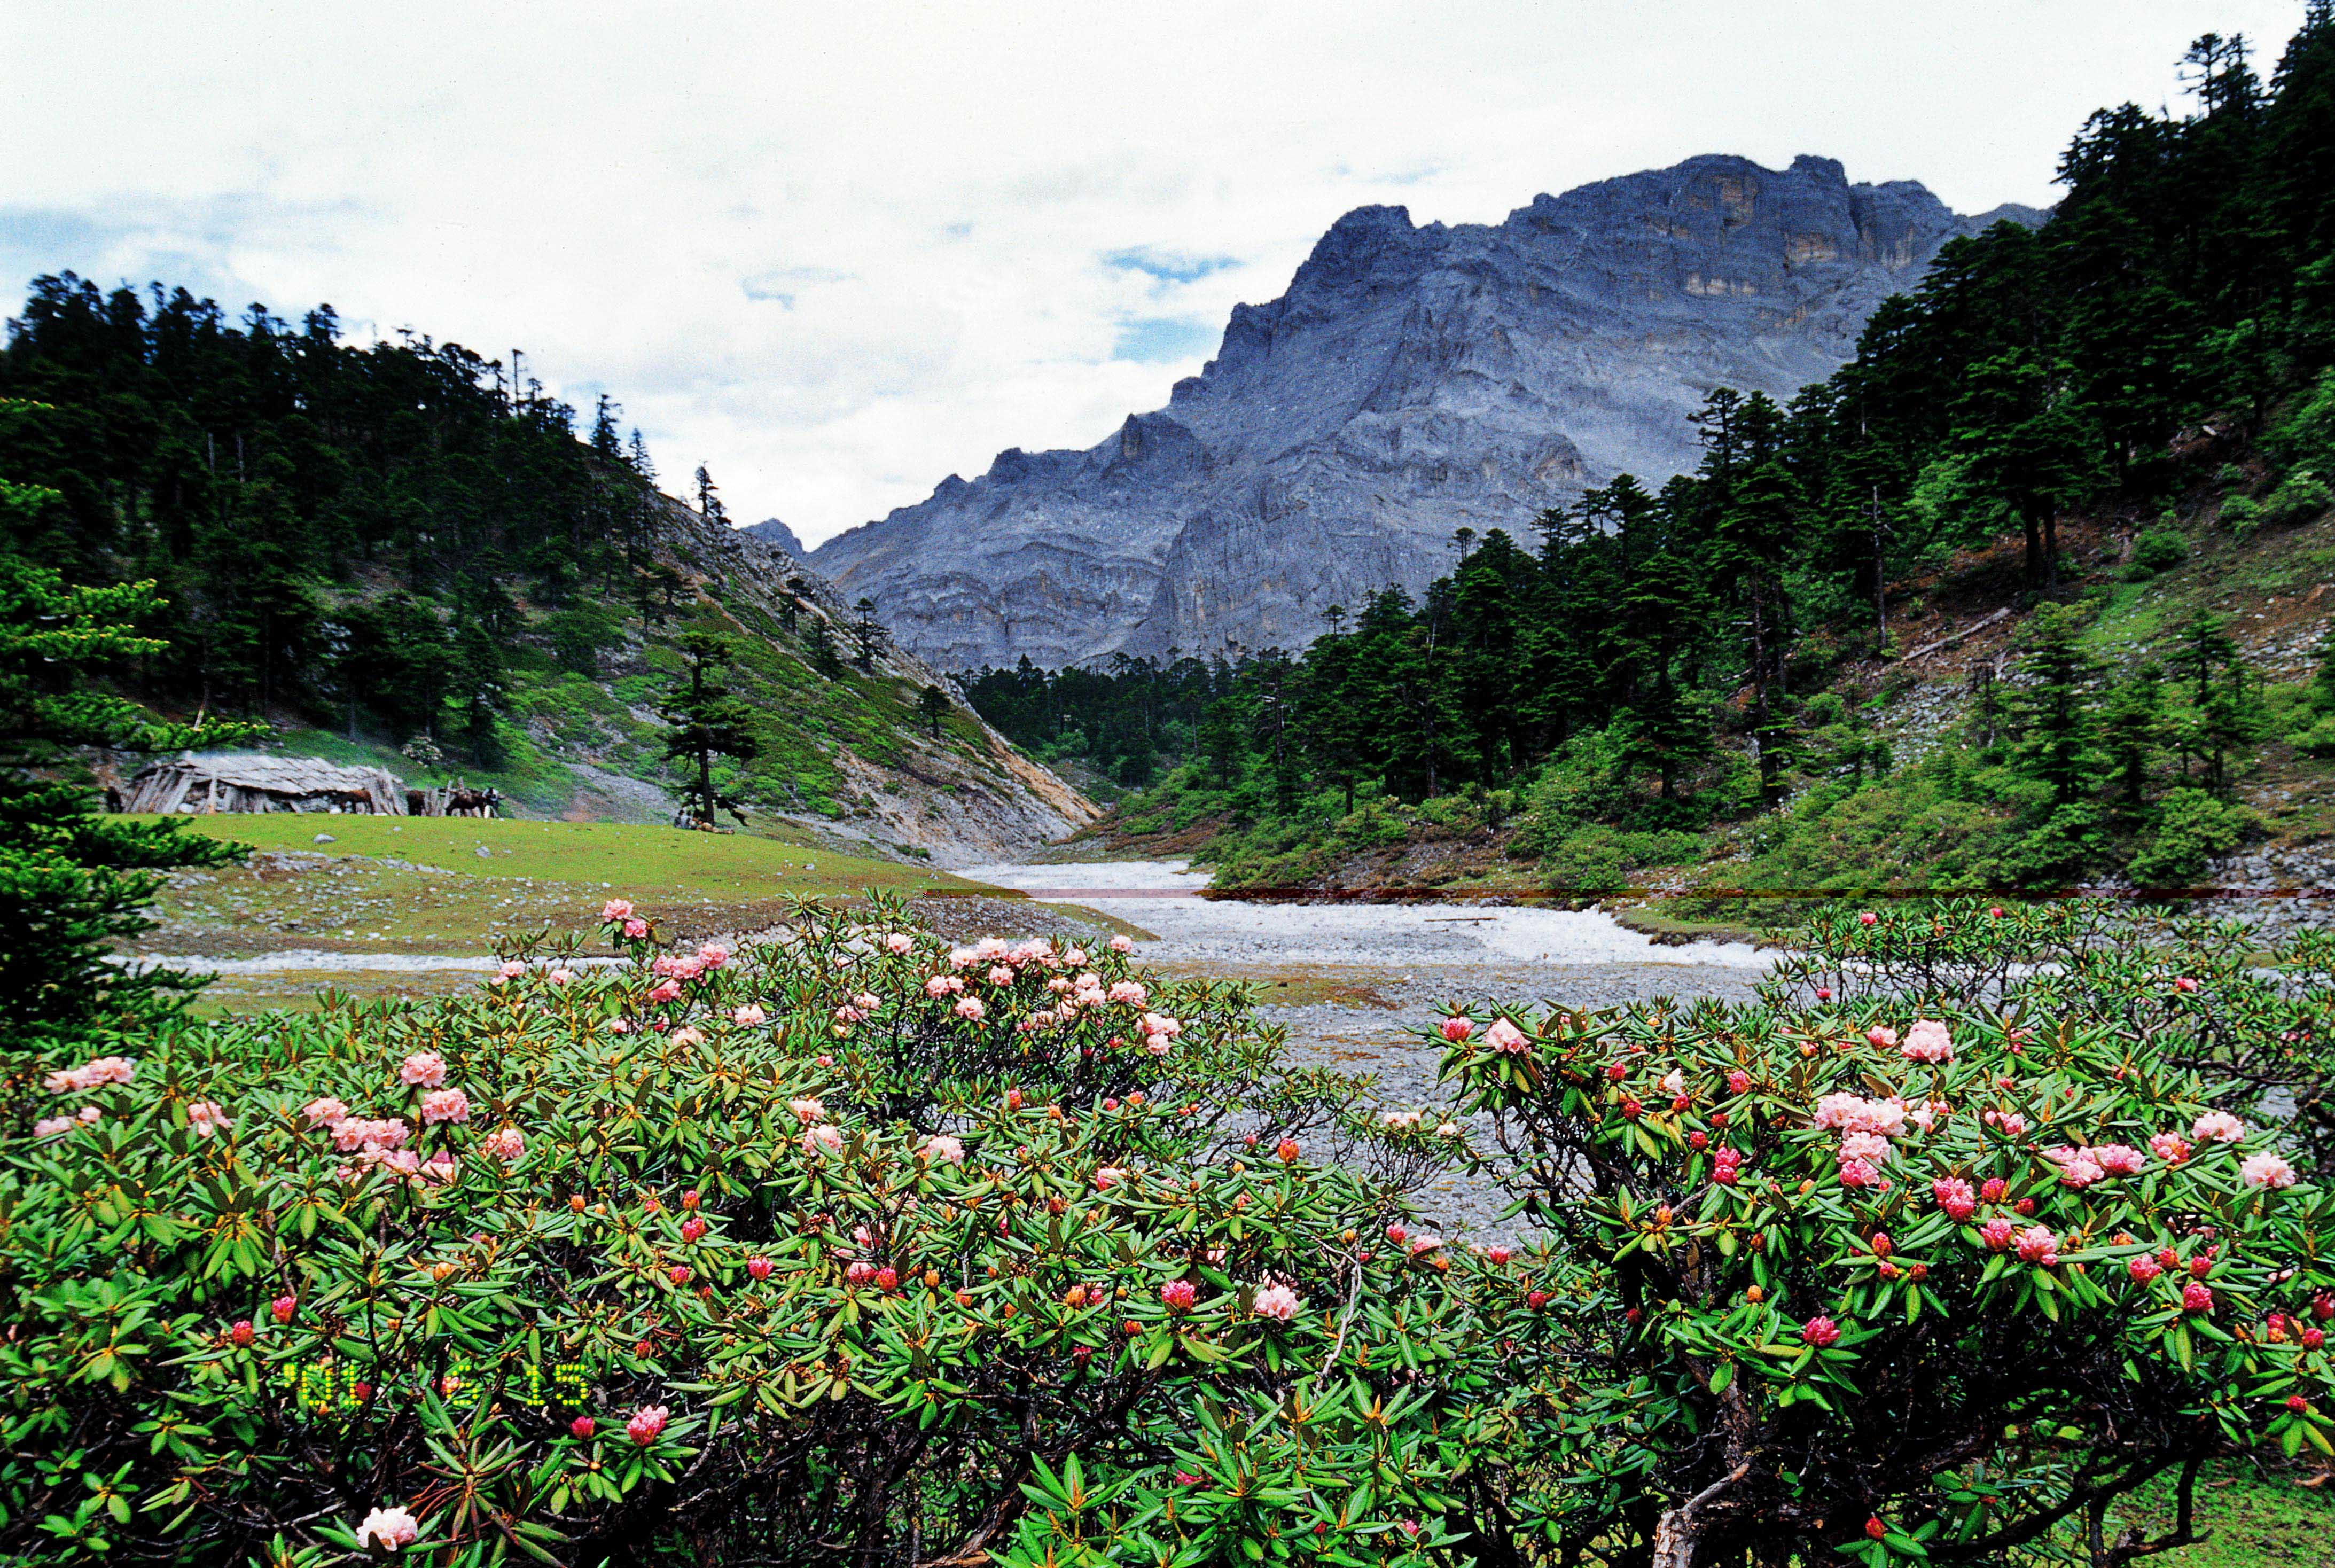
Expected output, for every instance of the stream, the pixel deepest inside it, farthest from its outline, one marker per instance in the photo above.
(1359, 976)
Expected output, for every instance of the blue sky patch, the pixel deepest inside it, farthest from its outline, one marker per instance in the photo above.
(1153, 340)
(1167, 266)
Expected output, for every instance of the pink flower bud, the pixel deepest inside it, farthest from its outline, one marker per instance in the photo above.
(582, 1426)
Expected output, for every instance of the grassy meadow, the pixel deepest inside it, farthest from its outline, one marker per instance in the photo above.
(422, 887)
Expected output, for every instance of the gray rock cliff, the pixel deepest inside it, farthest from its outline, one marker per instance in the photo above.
(1411, 381)
(772, 531)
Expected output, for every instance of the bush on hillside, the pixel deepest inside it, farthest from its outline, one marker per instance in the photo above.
(2301, 496)
(2191, 827)
(2160, 550)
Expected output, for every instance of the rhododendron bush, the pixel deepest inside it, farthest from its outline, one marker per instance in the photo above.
(2256, 1015)
(1889, 1279)
(686, 1256)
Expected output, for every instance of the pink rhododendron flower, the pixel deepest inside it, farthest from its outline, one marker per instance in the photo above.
(645, 1424)
(506, 1144)
(824, 1139)
(2037, 1245)
(636, 929)
(1881, 1035)
(1123, 944)
(1992, 1190)
(616, 909)
(205, 1117)
(1738, 1081)
(1999, 1232)
(108, 1070)
(749, 1016)
(510, 969)
(665, 990)
(2184, 985)
(900, 942)
(423, 1069)
(1864, 1145)
(2170, 1147)
(2078, 1168)
(1726, 1165)
(2217, 1127)
(1820, 1331)
(52, 1126)
(2010, 1122)
(970, 1008)
(2119, 1159)
(1399, 1120)
(2144, 1268)
(445, 1105)
(712, 955)
(1108, 1177)
(2197, 1298)
(1129, 992)
(942, 1147)
(562, 975)
(758, 1266)
(393, 1529)
(1928, 1040)
(1178, 1295)
(1857, 1173)
(999, 975)
(807, 1108)
(1503, 1036)
(1955, 1197)
(323, 1110)
(2267, 1170)
(1457, 1029)
(437, 1170)
(1278, 1303)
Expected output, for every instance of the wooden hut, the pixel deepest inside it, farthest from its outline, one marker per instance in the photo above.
(203, 782)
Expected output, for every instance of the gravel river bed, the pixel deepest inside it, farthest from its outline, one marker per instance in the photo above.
(1359, 976)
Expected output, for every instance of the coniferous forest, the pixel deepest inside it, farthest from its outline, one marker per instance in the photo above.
(249, 467)
(2056, 418)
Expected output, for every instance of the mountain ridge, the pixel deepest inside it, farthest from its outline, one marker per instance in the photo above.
(1413, 379)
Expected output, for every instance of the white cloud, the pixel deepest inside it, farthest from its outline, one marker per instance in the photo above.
(839, 252)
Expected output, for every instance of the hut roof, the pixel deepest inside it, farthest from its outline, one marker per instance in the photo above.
(256, 781)
(274, 775)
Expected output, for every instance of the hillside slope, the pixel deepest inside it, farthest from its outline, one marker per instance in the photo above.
(386, 552)
(1412, 381)
(844, 753)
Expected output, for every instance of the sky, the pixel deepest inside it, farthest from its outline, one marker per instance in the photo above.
(838, 252)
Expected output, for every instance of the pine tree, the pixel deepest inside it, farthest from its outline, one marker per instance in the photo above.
(705, 720)
(708, 498)
(867, 635)
(74, 883)
(821, 642)
(2054, 714)
(933, 704)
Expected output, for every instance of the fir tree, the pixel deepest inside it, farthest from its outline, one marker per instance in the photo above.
(705, 720)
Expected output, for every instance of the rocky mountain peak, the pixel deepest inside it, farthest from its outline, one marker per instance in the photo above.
(1413, 379)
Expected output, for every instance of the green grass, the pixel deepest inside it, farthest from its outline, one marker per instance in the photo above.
(2257, 1519)
(459, 885)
